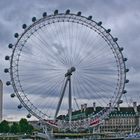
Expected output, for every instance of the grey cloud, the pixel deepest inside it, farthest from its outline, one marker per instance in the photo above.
(123, 17)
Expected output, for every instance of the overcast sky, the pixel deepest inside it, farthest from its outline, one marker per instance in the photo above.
(122, 16)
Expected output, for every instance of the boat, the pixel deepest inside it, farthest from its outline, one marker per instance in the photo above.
(133, 136)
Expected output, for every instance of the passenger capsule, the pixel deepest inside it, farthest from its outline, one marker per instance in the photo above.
(13, 95)
(55, 12)
(108, 30)
(6, 70)
(126, 70)
(89, 18)
(8, 83)
(79, 13)
(29, 116)
(99, 23)
(120, 49)
(10, 46)
(120, 101)
(44, 14)
(19, 106)
(68, 11)
(16, 35)
(126, 81)
(125, 59)
(115, 39)
(7, 57)
(33, 19)
(124, 91)
(24, 26)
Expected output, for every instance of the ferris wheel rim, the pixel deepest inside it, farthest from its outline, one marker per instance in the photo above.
(39, 21)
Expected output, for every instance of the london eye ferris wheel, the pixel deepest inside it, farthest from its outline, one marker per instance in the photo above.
(64, 60)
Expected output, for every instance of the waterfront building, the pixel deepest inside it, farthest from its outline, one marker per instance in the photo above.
(126, 119)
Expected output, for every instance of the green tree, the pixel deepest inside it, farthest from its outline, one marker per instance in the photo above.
(30, 129)
(25, 127)
(4, 127)
(14, 128)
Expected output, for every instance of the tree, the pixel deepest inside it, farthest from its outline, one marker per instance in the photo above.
(25, 127)
(30, 129)
(4, 127)
(22, 127)
(14, 128)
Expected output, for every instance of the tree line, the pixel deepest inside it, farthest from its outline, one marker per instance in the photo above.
(20, 127)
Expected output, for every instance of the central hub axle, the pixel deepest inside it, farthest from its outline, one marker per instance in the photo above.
(69, 72)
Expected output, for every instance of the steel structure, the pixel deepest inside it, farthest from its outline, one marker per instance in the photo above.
(64, 42)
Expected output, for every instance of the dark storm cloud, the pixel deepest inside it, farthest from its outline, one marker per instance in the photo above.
(122, 16)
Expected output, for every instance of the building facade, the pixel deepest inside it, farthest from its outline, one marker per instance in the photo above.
(126, 119)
